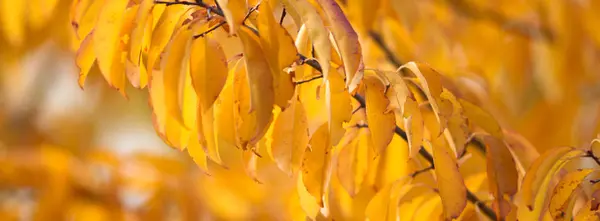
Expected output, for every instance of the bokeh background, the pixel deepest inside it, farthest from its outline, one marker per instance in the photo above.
(91, 154)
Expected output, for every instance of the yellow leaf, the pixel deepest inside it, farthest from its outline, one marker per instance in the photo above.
(450, 183)
(195, 151)
(208, 67)
(279, 49)
(143, 21)
(290, 137)
(260, 82)
(482, 118)
(106, 37)
(431, 83)
(12, 21)
(347, 42)
(85, 16)
(85, 58)
(234, 11)
(315, 163)
(225, 126)
(316, 30)
(381, 123)
(502, 173)
(456, 123)
(353, 159)
(307, 201)
(176, 67)
(118, 65)
(339, 106)
(385, 204)
(413, 122)
(163, 32)
(537, 179)
(564, 195)
(316, 107)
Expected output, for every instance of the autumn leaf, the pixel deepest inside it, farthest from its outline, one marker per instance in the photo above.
(260, 82)
(280, 51)
(502, 173)
(316, 30)
(106, 39)
(449, 181)
(353, 159)
(234, 11)
(562, 200)
(537, 179)
(338, 104)
(413, 122)
(290, 137)
(347, 42)
(85, 58)
(382, 123)
(315, 163)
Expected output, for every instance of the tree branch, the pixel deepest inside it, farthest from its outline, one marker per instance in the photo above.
(197, 3)
(516, 27)
(422, 151)
(386, 50)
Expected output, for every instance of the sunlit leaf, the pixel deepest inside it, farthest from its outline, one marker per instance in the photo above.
(381, 123)
(562, 200)
(449, 181)
(260, 83)
(347, 42)
(290, 137)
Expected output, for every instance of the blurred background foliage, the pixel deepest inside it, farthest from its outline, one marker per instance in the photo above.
(93, 155)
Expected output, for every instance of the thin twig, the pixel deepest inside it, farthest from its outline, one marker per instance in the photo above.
(283, 13)
(309, 80)
(253, 9)
(414, 174)
(210, 30)
(197, 3)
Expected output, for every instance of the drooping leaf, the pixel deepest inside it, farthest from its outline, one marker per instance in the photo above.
(536, 181)
(502, 173)
(106, 39)
(260, 82)
(353, 159)
(347, 42)
(290, 137)
(382, 123)
(208, 67)
(450, 183)
(338, 105)
(280, 51)
(234, 11)
(413, 122)
(162, 33)
(85, 58)
(482, 118)
(142, 23)
(315, 163)
(563, 197)
(176, 67)
(319, 35)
